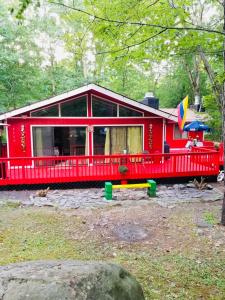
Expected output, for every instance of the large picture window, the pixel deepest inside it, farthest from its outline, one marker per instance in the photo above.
(118, 140)
(49, 141)
(74, 108)
(101, 108)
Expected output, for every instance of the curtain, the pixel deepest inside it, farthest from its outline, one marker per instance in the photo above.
(86, 142)
(38, 144)
(134, 139)
(118, 138)
(123, 138)
(107, 142)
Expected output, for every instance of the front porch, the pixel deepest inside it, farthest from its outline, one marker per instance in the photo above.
(59, 169)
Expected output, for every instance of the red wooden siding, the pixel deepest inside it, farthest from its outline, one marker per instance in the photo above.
(180, 143)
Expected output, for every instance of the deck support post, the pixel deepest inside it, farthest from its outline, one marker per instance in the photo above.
(152, 188)
(108, 190)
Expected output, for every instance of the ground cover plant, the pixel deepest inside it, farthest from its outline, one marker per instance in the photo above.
(179, 256)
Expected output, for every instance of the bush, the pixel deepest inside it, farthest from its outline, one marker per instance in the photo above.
(123, 169)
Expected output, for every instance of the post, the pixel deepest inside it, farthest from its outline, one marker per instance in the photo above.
(152, 189)
(108, 190)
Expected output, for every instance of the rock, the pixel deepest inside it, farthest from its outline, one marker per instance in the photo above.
(162, 188)
(176, 186)
(190, 185)
(61, 280)
(218, 243)
(182, 186)
(200, 232)
(218, 235)
(209, 187)
(171, 206)
(203, 224)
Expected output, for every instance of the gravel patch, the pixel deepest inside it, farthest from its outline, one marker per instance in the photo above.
(167, 196)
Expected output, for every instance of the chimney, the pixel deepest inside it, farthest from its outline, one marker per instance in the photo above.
(151, 100)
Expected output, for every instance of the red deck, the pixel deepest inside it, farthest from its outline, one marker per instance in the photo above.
(37, 170)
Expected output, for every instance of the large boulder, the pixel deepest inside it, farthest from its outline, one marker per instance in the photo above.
(67, 280)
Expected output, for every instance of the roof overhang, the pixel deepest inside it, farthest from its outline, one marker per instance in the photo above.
(84, 89)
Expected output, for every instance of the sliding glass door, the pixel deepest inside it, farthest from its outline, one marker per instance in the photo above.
(49, 141)
(43, 141)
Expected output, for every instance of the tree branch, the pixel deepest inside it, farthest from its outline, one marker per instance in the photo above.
(140, 23)
(132, 45)
(151, 4)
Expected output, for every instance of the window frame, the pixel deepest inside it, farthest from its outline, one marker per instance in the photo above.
(142, 114)
(69, 100)
(59, 108)
(46, 107)
(105, 100)
(118, 108)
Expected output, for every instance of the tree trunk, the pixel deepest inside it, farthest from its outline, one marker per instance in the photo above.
(217, 89)
(194, 76)
(223, 116)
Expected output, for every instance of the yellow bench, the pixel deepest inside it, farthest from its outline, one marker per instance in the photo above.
(150, 185)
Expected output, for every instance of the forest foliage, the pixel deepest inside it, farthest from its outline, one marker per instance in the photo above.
(131, 47)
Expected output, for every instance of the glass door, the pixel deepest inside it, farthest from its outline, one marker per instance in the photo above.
(43, 141)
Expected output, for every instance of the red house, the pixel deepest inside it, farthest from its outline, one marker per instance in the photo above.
(85, 134)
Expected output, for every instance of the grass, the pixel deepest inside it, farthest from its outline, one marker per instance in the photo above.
(210, 218)
(33, 234)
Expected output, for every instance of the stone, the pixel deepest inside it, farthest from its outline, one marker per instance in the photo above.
(200, 232)
(162, 187)
(176, 186)
(190, 185)
(203, 224)
(67, 280)
(171, 206)
(182, 186)
(209, 187)
(218, 236)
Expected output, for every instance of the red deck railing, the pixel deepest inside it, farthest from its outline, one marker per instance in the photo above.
(35, 170)
(209, 146)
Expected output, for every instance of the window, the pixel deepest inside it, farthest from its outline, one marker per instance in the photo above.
(74, 108)
(101, 108)
(127, 112)
(178, 135)
(117, 140)
(52, 111)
